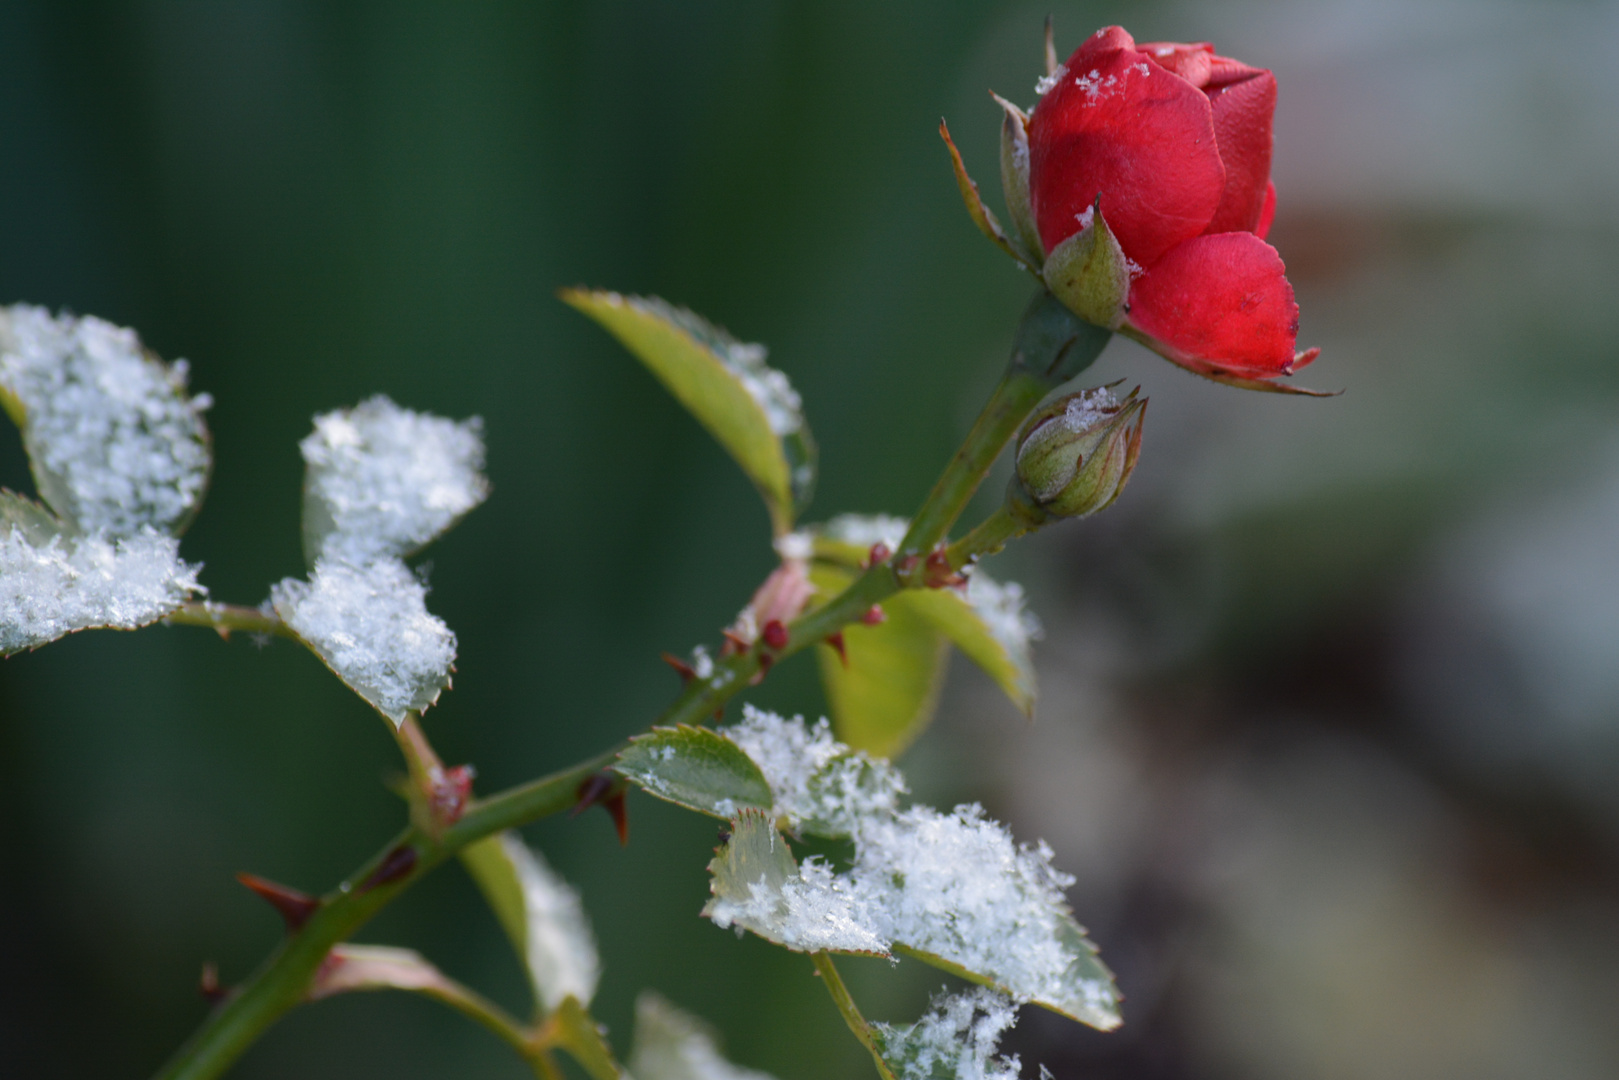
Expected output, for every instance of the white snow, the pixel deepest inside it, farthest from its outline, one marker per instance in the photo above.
(385, 481)
(115, 443)
(865, 530)
(55, 586)
(957, 1038)
(561, 950)
(1000, 607)
(371, 626)
(1046, 82)
(673, 1045)
(815, 779)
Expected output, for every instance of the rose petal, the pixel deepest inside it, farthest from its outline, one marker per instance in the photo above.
(1191, 62)
(1267, 213)
(1220, 304)
(1119, 125)
(1243, 108)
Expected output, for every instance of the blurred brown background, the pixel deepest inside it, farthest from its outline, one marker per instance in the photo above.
(1330, 727)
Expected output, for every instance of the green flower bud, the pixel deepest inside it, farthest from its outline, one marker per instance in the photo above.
(1075, 455)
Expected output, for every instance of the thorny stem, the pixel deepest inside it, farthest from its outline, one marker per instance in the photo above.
(988, 537)
(1050, 347)
(851, 1013)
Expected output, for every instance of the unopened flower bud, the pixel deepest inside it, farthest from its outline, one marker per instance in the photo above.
(1075, 455)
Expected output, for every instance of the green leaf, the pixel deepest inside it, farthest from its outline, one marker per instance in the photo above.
(988, 623)
(889, 691)
(671, 1044)
(696, 768)
(542, 916)
(748, 406)
(23, 515)
(577, 1032)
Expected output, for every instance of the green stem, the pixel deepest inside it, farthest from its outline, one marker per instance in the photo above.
(988, 537)
(851, 1014)
(469, 1003)
(284, 978)
(226, 618)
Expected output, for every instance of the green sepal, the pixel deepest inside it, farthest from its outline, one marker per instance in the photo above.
(747, 406)
(696, 768)
(888, 693)
(1089, 273)
(1015, 181)
(982, 215)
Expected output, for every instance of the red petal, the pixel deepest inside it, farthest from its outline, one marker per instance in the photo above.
(1119, 125)
(1243, 108)
(1267, 213)
(1190, 62)
(1220, 304)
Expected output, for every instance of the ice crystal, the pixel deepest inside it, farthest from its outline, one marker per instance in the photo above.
(371, 626)
(384, 481)
(115, 443)
(957, 1039)
(561, 950)
(53, 586)
(1000, 607)
(818, 783)
(674, 1045)
(1047, 82)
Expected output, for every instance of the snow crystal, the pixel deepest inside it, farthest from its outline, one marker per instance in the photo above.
(55, 586)
(385, 480)
(371, 626)
(115, 443)
(865, 530)
(1043, 87)
(1000, 608)
(817, 781)
(671, 1044)
(1085, 217)
(702, 665)
(795, 545)
(561, 950)
(957, 1038)
(813, 911)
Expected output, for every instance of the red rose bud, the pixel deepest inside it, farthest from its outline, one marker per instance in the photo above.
(1172, 143)
(1075, 455)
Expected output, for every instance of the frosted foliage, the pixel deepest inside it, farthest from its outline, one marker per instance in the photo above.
(561, 950)
(1000, 608)
(865, 530)
(383, 481)
(957, 1039)
(673, 1045)
(371, 626)
(746, 361)
(817, 781)
(115, 443)
(65, 584)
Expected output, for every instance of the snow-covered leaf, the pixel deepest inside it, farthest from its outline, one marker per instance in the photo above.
(821, 786)
(577, 1032)
(54, 581)
(542, 915)
(953, 890)
(990, 625)
(371, 626)
(115, 444)
(382, 481)
(671, 1044)
(956, 1040)
(747, 405)
(696, 768)
(888, 692)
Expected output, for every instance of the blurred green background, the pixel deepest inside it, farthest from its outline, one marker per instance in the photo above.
(1330, 726)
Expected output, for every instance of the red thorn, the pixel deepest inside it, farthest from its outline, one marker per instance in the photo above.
(397, 864)
(209, 984)
(295, 907)
(775, 634)
(619, 811)
(452, 790)
(880, 553)
(765, 660)
(874, 616)
(591, 790)
(734, 645)
(938, 573)
(907, 564)
(683, 669)
(836, 641)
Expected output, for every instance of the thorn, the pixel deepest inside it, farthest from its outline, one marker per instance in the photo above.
(607, 791)
(295, 907)
(223, 632)
(775, 634)
(591, 790)
(618, 810)
(765, 660)
(451, 791)
(683, 669)
(836, 641)
(874, 616)
(209, 984)
(880, 553)
(907, 564)
(396, 864)
(734, 644)
(938, 572)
